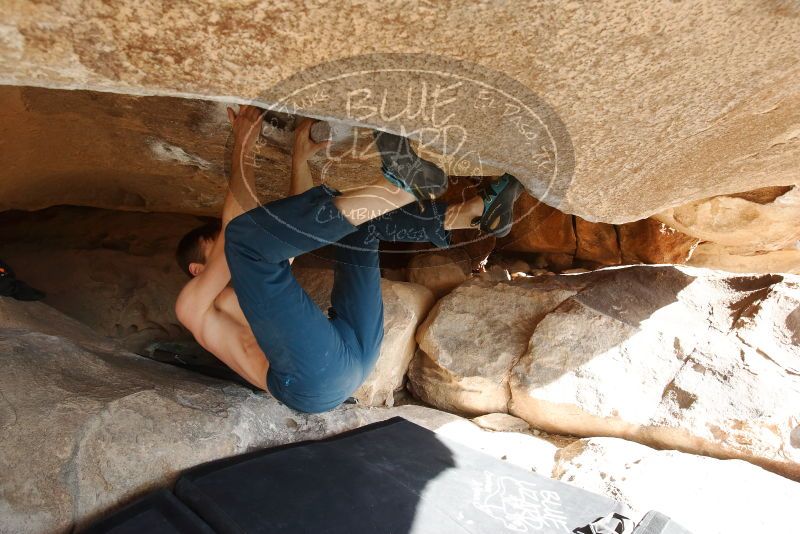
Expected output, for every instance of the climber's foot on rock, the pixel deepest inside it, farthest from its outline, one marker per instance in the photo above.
(498, 205)
(405, 169)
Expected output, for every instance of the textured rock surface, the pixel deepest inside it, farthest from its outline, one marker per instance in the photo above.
(472, 338)
(133, 153)
(559, 239)
(501, 422)
(758, 231)
(597, 243)
(760, 220)
(696, 127)
(702, 494)
(94, 426)
(441, 272)
(168, 154)
(715, 256)
(650, 241)
(659, 126)
(405, 307)
(21, 317)
(675, 357)
(539, 228)
(114, 271)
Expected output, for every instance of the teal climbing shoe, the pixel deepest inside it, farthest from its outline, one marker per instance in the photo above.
(498, 205)
(405, 169)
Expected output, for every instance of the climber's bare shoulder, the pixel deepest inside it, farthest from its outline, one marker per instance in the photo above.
(218, 324)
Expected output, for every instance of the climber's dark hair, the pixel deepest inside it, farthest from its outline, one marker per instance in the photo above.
(189, 250)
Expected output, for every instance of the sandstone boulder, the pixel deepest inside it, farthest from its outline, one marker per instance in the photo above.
(495, 273)
(557, 261)
(405, 307)
(705, 495)
(597, 243)
(680, 358)
(518, 266)
(756, 231)
(654, 123)
(440, 271)
(576, 270)
(179, 164)
(761, 220)
(472, 338)
(539, 228)
(714, 256)
(21, 317)
(683, 358)
(140, 153)
(650, 241)
(86, 427)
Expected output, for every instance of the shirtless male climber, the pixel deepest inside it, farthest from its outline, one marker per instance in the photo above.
(243, 304)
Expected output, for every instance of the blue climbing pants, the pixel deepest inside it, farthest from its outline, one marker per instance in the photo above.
(316, 362)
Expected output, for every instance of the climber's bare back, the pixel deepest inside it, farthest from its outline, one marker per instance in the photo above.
(243, 341)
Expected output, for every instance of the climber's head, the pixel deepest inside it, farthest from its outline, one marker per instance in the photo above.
(195, 246)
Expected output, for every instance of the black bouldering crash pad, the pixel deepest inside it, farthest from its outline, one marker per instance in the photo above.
(389, 477)
(158, 513)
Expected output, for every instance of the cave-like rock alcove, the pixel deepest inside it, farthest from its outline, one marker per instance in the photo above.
(635, 334)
